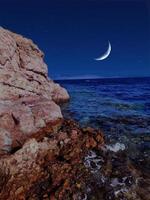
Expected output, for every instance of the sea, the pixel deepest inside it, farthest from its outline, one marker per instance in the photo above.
(120, 107)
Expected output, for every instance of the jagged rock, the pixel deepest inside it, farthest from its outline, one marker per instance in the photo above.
(52, 168)
(23, 71)
(27, 95)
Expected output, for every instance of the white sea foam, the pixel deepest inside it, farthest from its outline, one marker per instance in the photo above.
(122, 190)
(92, 157)
(115, 182)
(116, 147)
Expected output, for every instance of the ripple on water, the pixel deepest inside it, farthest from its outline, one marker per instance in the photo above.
(121, 108)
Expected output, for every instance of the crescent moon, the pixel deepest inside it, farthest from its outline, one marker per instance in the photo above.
(105, 55)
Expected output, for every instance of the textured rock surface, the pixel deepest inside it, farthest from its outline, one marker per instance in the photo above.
(23, 71)
(27, 95)
(71, 164)
(24, 118)
(51, 168)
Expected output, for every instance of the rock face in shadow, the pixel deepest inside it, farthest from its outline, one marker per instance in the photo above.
(27, 96)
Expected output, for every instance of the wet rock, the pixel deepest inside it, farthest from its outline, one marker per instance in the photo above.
(91, 143)
(43, 169)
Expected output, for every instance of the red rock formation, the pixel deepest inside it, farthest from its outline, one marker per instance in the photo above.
(27, 95)
(52, 168)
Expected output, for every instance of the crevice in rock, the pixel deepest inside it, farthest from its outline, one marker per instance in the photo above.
(15, 119)
(15, 149)
(37, 72)
(20, 59)
(20, 88)
(30, 78)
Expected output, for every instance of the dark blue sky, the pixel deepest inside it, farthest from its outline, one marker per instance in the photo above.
(73, 32)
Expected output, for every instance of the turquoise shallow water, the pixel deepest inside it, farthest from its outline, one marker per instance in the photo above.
(120, 107)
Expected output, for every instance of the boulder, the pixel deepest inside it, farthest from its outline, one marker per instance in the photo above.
(24, 118)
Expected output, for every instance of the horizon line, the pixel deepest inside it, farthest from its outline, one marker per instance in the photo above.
(90, 78)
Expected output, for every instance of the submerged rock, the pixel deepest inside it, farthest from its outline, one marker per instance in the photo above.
(27, 96)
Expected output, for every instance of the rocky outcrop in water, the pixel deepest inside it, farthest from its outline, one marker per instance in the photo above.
(27, 96)
(72, 164)
(51, 167)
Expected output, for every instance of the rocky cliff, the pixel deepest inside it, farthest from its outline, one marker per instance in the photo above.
(41, 155)
(27, 96)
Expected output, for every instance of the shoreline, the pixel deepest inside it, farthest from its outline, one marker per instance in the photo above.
(71, 163)
(53, 165)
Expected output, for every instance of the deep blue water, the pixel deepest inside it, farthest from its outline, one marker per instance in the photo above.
(120, 107)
